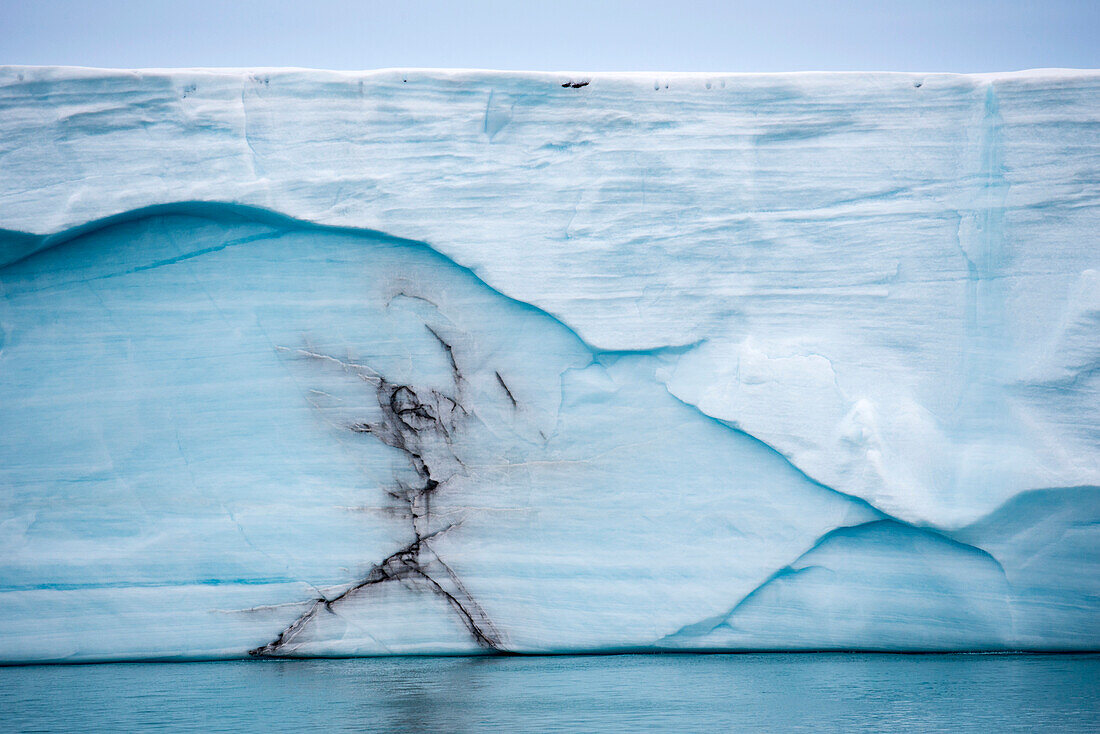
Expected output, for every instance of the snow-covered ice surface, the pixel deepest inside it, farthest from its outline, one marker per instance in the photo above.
(318, 363)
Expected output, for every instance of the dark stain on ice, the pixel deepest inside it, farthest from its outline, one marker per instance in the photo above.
(506, 390)
(411, 422)
(410, 565)
(450, 353)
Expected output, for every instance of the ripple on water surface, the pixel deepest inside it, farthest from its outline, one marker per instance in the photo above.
(772, 692)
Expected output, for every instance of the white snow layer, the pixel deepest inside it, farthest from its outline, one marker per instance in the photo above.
(790, 361)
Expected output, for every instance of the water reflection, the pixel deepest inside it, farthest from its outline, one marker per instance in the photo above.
(616, 693)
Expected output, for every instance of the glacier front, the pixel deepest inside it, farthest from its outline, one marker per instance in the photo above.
(301, 363)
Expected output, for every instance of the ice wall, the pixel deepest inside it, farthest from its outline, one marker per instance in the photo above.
(420, 361)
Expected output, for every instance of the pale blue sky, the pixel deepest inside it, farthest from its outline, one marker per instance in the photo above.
(774, 35)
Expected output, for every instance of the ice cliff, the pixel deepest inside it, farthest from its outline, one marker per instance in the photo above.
(314, 363)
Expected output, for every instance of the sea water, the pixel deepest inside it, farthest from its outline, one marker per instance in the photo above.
(749, 692)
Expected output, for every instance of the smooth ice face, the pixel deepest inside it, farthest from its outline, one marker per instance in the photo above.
(743, 362)
(229, 432)
(897, 586)
(891, 277)
(356, 420)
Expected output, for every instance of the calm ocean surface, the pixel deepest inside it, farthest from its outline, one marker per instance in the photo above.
(769, 692)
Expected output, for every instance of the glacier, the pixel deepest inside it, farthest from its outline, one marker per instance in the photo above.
(305, 363)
